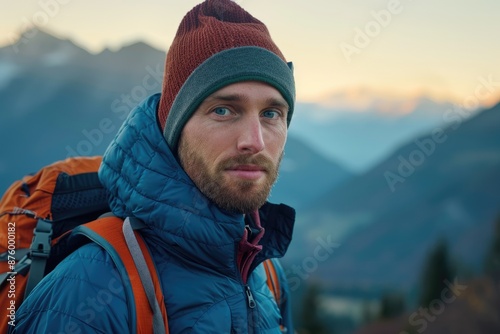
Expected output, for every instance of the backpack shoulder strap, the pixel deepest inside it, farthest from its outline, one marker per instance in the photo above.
(273, 281)
(108, 233)
(146, 273)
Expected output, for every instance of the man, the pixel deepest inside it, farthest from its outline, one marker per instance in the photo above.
(196, 165)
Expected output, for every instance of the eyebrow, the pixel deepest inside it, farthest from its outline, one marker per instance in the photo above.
(274, 102)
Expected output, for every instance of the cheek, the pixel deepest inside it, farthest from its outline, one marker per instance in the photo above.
(275, 142)
(211, 148)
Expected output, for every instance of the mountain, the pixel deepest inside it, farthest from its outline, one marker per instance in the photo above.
(361, 135)
(476, 303)
(356, 128)
(305, 175)
(443, 184)
(58, 100)
(73, 106)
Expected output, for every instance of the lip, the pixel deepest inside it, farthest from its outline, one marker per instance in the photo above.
(249, 172)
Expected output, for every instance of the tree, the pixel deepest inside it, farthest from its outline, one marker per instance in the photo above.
(492, 263)
(368, 314)
(311, 312)
(392, 305)
(437, 271)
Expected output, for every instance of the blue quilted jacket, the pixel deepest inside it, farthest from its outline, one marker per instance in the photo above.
(194, 245)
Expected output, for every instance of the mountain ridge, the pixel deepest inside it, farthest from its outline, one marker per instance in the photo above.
(75, 107)
(321, 127)
(452, 193)
(438, 182)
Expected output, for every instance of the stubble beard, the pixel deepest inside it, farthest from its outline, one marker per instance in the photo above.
(233, 195)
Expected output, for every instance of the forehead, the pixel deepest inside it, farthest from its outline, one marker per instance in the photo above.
(249, 91)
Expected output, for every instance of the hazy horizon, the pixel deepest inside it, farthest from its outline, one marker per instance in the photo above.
(405, 49)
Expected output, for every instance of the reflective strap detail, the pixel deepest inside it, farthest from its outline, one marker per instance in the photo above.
(145, 275)
(272, 280)
(273, 284)
(108, 233)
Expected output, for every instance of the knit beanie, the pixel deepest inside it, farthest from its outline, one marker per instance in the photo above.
(217, 44)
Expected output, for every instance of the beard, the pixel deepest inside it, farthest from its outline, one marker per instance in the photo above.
(229, 193)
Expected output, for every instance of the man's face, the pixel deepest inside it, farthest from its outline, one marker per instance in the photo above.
(232, 146)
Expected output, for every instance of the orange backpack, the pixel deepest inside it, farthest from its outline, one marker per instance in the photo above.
(37, 215)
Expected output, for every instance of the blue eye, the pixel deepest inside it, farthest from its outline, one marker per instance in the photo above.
(271, 114)
(221, 111)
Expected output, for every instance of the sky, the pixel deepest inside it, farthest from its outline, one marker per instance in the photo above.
(445, 50)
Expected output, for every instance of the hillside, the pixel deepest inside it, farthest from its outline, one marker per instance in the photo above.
(58, 100)
(446, 183)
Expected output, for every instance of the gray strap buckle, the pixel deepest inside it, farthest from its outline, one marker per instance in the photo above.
(42, 236)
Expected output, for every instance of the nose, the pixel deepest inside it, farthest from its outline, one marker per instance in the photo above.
(250, 139)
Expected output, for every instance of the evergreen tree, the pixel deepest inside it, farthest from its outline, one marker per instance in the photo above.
(311, 312)
(368, 315)
(392, 305)
(436, 271)
(492, 263)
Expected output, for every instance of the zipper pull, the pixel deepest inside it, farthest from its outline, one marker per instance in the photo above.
(250, 299)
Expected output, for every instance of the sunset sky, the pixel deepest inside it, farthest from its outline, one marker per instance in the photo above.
(446, 50)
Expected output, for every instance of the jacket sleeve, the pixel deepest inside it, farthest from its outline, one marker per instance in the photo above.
(285, 300)
(83, 294)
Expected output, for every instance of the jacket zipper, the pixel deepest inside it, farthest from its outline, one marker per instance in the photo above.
(245, 273)
(250, 299)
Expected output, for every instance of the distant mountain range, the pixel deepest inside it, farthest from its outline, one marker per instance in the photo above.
(445, 184)
(360, 137)
(357, 129)
(58, 100)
